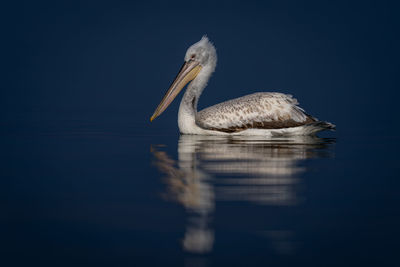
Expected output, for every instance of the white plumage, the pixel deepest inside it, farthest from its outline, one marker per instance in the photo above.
(262, 108)
(267, 114)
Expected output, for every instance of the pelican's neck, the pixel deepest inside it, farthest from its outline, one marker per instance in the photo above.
(191, 97)
(188, 106)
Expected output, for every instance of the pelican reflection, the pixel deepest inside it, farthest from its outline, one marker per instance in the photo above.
(210, 169)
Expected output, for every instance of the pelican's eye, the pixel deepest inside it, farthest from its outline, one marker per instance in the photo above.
(193, 56)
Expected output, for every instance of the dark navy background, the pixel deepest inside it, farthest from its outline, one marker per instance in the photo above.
(80, 81)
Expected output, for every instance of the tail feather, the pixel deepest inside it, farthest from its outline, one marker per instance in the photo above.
(324, 125)
(318, 126)
(308, 129)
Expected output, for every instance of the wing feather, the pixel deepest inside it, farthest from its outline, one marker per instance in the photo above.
(258, 110)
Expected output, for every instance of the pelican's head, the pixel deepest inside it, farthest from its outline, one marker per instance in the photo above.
(202, 52)
(200, 60)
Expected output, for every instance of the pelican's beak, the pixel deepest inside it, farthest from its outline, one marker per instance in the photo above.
(187, 73)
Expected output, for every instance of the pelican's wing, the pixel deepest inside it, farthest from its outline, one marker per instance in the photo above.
(259, 110)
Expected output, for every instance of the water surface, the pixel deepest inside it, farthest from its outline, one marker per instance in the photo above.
(97, 190)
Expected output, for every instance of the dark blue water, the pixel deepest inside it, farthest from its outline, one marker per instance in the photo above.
(87, 180)
(99, 189)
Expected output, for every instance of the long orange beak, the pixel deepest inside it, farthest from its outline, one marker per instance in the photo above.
(187, 73)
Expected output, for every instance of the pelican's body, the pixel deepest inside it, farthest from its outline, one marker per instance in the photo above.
(266, 114)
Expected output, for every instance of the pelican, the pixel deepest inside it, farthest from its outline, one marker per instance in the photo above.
(265, 113)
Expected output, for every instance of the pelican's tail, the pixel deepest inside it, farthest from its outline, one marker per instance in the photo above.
(318, 126)
(308, 129)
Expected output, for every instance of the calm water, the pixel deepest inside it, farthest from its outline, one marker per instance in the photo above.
(96, 190)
